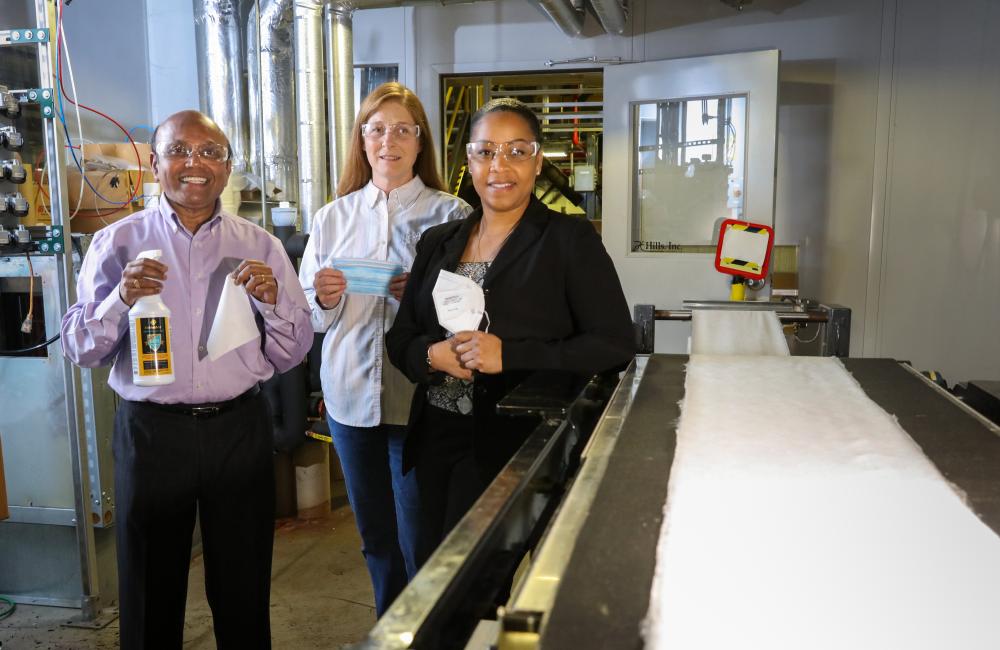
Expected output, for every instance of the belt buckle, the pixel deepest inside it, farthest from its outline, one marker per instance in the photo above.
(204, 411)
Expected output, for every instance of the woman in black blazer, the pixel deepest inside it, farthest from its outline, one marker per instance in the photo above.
(553, 301)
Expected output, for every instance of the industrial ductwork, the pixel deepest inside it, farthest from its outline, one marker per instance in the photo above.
(339, 35)
(310, 108)
(220, 83)
(301, 64)
(566, 17)
(272, 116)
(612, 14)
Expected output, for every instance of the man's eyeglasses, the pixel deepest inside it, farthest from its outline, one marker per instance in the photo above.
(401, 130)
(515, 151)
(179, 150)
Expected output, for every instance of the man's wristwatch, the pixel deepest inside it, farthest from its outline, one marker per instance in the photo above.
(429, 366)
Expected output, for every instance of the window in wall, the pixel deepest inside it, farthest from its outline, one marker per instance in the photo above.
(369, 77)
(690, 157)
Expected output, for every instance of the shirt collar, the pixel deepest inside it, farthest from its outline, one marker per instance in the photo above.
(403, 196)
(170, 215)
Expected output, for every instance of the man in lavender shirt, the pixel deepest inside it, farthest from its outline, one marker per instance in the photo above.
(203, 443)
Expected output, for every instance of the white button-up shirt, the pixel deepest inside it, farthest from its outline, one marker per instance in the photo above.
(360, 387)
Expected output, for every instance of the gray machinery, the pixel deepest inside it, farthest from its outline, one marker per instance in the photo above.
(55, 420)
(828, 326)
(585, 496)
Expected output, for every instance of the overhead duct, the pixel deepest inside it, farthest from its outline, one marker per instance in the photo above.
(272, 117)
(220, 75)
(310, 108)
(566, 17)
(612, 14)
(339, 35)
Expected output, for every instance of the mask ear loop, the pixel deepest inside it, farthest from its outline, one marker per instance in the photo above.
(487, 315)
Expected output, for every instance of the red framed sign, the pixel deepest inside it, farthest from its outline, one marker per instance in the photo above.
(744, 249)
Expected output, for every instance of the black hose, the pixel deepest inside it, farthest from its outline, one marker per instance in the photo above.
(37, 346)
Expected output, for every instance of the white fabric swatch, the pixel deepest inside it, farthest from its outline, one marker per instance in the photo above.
(737, 331)
(800, 515)
(234, 324)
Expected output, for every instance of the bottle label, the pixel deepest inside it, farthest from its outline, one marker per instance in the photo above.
(154, 347)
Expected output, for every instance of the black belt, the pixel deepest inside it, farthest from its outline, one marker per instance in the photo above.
(208, 410)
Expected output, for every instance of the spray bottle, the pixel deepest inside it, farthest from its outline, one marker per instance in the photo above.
(149, 326)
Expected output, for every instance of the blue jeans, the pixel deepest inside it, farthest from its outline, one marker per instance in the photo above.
(385, 502)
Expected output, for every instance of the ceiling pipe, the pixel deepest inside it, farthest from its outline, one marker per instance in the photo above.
(612, 14)
(564, 15)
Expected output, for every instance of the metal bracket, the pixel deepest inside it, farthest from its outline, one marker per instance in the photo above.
(23, 35)
(42, 97)
(52, 244)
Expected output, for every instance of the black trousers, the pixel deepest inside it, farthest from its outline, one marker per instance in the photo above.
(449, 478)
(168, 466)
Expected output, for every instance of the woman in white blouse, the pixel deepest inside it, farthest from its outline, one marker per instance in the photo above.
(389, 193)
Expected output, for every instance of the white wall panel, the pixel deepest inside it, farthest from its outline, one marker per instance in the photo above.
(940, 275)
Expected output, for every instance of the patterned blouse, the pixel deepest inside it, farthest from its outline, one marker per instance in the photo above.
(454, 394)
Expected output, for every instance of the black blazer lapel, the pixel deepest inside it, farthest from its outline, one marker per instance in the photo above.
(525, 235)
(455, 245)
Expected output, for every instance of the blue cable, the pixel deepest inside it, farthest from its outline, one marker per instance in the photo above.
(69, 140)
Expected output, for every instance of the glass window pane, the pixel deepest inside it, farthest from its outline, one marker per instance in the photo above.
(690, 170)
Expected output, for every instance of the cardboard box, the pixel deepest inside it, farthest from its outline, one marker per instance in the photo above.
(4, 512)
(104, 190)
(120, 151)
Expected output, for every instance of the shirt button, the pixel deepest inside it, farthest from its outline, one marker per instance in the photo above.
(198, 386)
(197, 310)
(201, 348)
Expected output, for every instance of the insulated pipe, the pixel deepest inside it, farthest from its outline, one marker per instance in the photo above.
(612, 14)
(272, 99)
(220, 74)
(564, 15)
(338, 35)
(310, 110)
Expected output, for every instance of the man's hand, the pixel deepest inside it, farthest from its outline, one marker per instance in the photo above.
(330, 285)
(258, 278)
(479, 351)
(397, 284)
(444, 358)
(140, 278)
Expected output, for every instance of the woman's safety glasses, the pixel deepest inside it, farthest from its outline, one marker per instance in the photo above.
(515, 151)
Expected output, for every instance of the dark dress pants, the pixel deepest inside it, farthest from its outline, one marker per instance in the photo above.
(449, 478)
(168, 467)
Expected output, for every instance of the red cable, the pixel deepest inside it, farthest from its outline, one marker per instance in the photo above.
(138, 158)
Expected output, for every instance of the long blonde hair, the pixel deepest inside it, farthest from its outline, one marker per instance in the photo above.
(357, 171)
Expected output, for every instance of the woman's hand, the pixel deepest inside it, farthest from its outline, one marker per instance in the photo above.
(397, 284)
(329, 285)
(480, 351)
(444, 358)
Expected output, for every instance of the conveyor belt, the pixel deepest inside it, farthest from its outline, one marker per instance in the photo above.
(963, 448)
(604, 593)
(605, 590)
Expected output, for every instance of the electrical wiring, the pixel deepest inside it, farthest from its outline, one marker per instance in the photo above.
(79, 123)
(31, 294)
(61, 92)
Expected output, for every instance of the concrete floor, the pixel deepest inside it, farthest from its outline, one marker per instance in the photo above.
(321, 597)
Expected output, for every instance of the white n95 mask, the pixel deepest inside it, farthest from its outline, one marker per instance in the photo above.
(458, 301)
